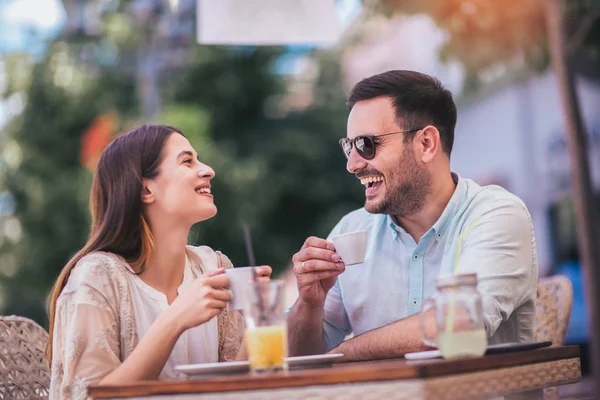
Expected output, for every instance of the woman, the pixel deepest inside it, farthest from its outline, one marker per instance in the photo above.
(136, 301)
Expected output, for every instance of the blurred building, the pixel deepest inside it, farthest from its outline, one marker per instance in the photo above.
(517, 133)
(510, 132)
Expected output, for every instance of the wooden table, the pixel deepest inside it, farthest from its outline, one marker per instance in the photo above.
(482, 377)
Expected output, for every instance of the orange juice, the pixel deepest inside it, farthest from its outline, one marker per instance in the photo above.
(267, 347)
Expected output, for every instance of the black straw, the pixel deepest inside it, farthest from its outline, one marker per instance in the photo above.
(249, 249)
(252, 262)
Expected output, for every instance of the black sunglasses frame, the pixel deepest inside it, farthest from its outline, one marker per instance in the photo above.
(368, 140)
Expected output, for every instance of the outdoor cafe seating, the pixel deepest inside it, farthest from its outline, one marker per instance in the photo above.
(533, 374)
(25, 373)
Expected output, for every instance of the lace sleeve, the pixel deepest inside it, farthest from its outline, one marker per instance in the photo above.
(86, 339)
(231, 326)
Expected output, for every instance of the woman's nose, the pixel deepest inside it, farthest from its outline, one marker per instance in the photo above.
(205, 171)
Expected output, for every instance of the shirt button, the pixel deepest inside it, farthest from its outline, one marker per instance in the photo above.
(415, 302)
(416, 256)
(439, 235)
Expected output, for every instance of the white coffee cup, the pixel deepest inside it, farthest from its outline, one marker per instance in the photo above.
(239, 278)
(351, 247)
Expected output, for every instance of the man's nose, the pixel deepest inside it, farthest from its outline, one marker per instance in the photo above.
(355, 162)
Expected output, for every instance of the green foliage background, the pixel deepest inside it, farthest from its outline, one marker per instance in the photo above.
(283, 177)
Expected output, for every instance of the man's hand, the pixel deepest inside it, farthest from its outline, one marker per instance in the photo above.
(316, 267)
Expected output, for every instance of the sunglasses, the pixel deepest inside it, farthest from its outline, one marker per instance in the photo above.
(365, 145)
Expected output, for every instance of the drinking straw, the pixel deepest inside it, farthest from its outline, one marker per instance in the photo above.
(457, 254)
(249, 249)
(252, 263)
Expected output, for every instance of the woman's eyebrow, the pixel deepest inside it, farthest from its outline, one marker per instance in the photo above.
(185, 152)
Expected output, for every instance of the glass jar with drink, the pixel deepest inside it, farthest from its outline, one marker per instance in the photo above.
(459, 329)
(266, 328)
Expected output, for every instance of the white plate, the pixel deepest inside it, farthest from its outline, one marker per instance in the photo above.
(214, 368)
(423, 355)
(244, 366)
(491, 349)
(319, 359)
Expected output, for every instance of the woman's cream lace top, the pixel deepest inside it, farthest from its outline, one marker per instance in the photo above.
(95, 327)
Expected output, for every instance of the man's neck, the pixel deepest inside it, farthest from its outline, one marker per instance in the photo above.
(419, 223)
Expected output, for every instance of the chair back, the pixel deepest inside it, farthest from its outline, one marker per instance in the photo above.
(546, 317)
(561, 289)
(24, 372)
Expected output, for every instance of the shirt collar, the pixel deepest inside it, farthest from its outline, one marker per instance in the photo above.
(188, 275)
(452, 207)
(395, 228)
(439, 228)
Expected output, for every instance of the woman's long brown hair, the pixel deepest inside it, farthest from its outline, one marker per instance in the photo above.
(118, 223)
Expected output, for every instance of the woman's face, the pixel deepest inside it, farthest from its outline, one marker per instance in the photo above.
(181, 190)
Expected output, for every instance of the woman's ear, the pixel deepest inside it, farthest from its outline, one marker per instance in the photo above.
(147, 191)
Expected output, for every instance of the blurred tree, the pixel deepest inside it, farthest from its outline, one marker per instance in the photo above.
(483, 35)
(279, 171)
(283, 177)
(48, 182)
(582, 24)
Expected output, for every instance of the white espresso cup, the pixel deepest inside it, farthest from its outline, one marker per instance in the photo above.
(351, 247)
(239, 278)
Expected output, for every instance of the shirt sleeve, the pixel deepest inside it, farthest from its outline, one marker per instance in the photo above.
(336, 324)
(85, 346)
(499, 246)
(335, 320)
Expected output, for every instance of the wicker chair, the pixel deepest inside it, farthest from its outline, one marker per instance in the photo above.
(546, 317)
(24, 372)
(546, 327)
(561, 289)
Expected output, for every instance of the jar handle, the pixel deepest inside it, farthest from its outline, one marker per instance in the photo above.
(427, 305)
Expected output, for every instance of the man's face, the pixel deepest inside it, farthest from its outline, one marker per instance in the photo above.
(396, 182)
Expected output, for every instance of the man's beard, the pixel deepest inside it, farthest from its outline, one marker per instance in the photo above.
(408, 197)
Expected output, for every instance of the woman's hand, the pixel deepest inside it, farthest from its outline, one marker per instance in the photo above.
(264, 272)
(202, 300)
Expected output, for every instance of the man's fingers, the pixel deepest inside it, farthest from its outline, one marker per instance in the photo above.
(314, 241)
(317, 276)
(309, 266)
(327, 274)
(318, 254)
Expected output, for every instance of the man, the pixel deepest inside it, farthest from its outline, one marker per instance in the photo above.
(419, 217)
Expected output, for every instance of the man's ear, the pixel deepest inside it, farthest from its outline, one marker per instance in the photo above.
(431, 144)
(147, 191)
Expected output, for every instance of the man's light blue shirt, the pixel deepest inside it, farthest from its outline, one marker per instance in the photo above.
(398, 274)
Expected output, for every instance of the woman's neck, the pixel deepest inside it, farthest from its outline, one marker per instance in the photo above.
(165, 266)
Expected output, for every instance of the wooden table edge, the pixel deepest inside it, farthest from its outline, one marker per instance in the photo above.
(346, 373)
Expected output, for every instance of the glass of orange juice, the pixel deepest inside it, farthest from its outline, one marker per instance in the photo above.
(266, 329)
